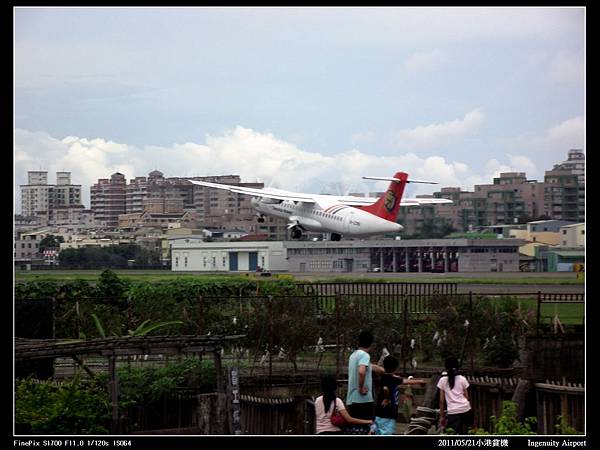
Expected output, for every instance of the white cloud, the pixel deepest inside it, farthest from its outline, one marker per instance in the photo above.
(429, 136)
(522, 163)
(560, 138)
(253, 155)
(423, 61)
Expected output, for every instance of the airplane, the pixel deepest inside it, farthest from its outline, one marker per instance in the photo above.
(339, 215)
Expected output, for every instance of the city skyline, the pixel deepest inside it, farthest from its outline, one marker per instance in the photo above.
(131, 181)
(307, 99)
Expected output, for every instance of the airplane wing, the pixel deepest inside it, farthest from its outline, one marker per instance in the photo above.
(424, 201)
(276, 194)
(324, 201)
(365, 201)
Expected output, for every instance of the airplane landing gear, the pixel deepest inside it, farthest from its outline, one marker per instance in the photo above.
(336, 237)
(260, 218)
(296, 233)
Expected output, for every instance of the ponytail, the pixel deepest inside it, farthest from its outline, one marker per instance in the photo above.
(451, 377)
(328, 386)
(451, 364)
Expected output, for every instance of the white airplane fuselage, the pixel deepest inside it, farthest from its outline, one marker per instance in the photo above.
(340, 219)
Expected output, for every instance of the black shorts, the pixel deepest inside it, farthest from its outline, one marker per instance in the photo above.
(362, 410)
(461, 423)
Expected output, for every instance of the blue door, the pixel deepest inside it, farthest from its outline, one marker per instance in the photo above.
(253, 261)
(233, 261)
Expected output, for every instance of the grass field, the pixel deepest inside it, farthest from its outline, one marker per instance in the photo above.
(161, 275)
(568, 313)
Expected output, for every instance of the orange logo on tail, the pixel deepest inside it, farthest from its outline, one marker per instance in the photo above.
(390, 201)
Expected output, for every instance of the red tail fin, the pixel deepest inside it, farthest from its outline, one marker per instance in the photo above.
(388, 205)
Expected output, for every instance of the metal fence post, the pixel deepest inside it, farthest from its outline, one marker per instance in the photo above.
(405, 334)
(539, 312)
(270, 319)
(337, 335)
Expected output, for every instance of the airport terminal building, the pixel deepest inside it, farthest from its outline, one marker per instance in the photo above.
(352, 256)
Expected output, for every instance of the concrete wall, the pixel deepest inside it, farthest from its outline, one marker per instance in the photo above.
(572, 236)
(488, 261)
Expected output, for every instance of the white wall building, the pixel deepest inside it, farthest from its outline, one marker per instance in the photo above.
(191, 253)
(572, 235)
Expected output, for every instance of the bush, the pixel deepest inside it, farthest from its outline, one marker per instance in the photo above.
(77, 407)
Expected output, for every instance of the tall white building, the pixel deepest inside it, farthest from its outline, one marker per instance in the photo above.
(40, 198)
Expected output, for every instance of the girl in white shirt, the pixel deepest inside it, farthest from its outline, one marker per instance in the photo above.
(324, 408)
(454, 394)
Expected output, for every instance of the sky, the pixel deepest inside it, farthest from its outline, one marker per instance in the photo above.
(305, 99)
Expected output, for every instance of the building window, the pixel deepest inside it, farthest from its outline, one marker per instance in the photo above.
(176, 262)
(185, 261)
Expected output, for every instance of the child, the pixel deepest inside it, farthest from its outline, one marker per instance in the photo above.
(386, 410)
(454, 394)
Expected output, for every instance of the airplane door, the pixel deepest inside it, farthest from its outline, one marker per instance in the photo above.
(350, 223)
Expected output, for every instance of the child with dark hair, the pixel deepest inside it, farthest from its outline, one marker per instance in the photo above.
(327, 404)
(386, 409)
(454, 394)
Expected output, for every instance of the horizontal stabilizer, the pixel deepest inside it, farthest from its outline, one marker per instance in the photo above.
(382, 179)
(397, 180)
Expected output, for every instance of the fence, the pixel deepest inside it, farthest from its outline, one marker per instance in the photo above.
(551, 400)
(486, 395)
(560, 398)
(270, 416)
(316, 326)
(385, 288)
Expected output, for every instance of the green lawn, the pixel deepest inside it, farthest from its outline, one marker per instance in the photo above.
(158, 275)
(139, 275)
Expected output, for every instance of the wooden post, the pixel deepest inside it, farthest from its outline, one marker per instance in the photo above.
(113, 386)
(218, 369)
(234, 390)
(83, 366)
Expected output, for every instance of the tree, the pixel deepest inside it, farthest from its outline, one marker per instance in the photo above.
(50, 241)
(435, 228)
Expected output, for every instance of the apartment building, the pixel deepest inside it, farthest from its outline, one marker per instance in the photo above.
(510, 199)
(564, 197)
(108, 199)
(157, 199)
(38, 198)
